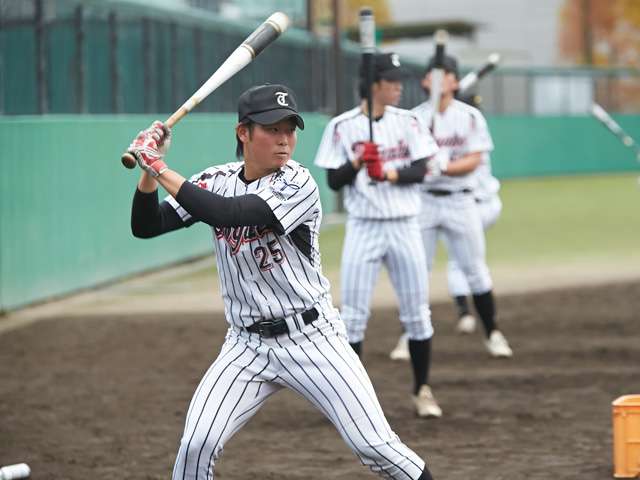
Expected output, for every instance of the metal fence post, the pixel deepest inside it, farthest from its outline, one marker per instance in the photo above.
(81, 104)
(41, 62)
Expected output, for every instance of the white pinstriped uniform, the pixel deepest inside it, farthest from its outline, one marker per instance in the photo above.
(265, 275)
(489, 207)
(459, 130)
(382, 226)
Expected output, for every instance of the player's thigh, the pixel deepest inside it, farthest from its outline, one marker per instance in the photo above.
(489, 210)
(463, 233)
(330, 375)
(406, 259)
(429, 223)
(228, 395)
(364, 246)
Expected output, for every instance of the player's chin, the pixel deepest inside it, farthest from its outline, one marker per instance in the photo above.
(281, 158)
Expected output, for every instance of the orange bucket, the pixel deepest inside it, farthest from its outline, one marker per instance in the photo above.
(626, 436)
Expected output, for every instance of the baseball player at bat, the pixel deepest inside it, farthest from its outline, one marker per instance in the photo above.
(382, 225)
(264, 211)
(449, 206)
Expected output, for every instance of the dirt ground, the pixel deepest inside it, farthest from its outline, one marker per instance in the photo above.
(104, 395)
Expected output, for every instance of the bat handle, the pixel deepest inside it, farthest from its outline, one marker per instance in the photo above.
(130, 161)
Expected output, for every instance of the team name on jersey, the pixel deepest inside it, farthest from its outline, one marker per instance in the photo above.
(400, 152)
(237, 236)
(454, 141)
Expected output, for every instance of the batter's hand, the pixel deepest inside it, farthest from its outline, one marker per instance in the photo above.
(372, 161)
(149, 148)
(437, 165)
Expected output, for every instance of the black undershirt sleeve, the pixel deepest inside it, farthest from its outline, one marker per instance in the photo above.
(150, 218)
(414, 173)
(339, 177)
(219, 211)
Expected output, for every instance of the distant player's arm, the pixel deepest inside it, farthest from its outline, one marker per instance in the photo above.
(339, 177)
(414, 173)
(466, 164)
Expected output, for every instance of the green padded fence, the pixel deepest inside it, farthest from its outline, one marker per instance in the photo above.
(65, 198)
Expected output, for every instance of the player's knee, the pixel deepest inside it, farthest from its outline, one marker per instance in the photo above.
(196, 455)
(478, 279)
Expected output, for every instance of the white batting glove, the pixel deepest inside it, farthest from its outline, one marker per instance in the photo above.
(437, 165)
(149, 148)
(162, 135)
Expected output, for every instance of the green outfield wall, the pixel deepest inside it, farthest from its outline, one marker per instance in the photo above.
(65, 198)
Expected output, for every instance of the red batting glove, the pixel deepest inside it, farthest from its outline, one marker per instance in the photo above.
(149, 148)
(371, 159)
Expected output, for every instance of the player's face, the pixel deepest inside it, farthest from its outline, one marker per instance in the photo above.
(387, 92)
(268, 147)
(449, 83)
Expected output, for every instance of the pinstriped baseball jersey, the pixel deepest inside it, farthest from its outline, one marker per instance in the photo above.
(402, 138)
(268, 274)
(486, 184)
(459, 130)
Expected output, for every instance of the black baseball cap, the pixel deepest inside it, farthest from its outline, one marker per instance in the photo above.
(449, 63)
(387, 66)
(268, 104)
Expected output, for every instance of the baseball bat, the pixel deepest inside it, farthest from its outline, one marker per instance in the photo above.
(368, 48)
(437, 73)
(254, 45)
(471, 78)
(601, 114)
(367, 45)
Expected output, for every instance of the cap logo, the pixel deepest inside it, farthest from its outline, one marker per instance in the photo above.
(281, 98)
(395, 59)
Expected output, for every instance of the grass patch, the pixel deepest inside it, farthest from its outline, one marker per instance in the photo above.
(566, 220)
(549, 221)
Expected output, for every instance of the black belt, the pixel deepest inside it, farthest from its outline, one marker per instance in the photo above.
(273, 328)
(444, 193)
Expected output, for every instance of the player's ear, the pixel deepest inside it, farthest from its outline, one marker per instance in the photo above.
(242, 131)
(426, 81)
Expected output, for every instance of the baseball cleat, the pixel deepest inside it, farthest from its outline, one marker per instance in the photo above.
(498, 346)
(466, 324)
(424, 403)
(401, 351)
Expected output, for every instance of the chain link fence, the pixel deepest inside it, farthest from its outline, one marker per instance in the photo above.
(96, 57)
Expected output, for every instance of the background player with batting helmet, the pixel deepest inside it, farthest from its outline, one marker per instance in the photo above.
(382, 225)
(449, 207)
(283, 332)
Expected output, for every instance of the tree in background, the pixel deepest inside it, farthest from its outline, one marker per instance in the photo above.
(600, 32)
(604, 33)
(349, 13)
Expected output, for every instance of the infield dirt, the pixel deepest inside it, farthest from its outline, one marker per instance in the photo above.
(100, 389)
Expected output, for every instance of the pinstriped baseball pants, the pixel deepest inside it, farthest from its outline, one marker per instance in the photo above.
(396, 244)
(455, 218)
(319, 364)
(489, 210)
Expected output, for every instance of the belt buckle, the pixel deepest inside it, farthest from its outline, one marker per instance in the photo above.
(264, 328)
